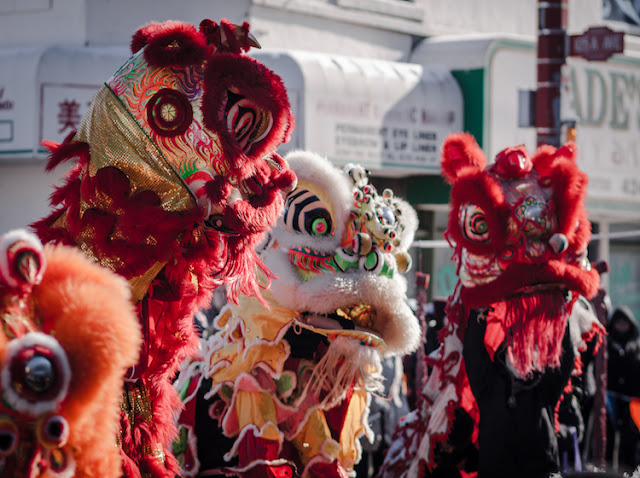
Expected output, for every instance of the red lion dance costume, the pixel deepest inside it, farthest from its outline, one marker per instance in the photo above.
(69, 333)
(175, 182)
(513, 337)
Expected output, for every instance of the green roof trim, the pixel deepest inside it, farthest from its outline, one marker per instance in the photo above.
(472, 85)
(427, 190)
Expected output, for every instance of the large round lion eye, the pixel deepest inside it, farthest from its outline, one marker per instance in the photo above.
(169, 112)
(36, 374)
(305, 212)
(474, 223)
(247, 122)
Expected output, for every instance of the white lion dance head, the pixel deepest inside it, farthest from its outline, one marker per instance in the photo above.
(292, 373)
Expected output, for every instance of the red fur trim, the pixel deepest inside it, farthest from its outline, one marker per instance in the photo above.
(236, 41)
(134, 229)
(477, 187)
(537, 323)
(232, 40)
(65, 151)
(598, 333)
(218, 189)
(569, 191)
(256, 215)
(258, 84)
(171, 43)
(459, 152)
(211, 32)
(240, 274)
(519, 275)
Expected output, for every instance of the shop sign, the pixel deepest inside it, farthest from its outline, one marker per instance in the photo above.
(381, 132)
(62, 108)
(16, 125)
(604, 100)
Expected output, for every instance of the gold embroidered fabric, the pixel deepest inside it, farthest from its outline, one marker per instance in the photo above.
(126, 146)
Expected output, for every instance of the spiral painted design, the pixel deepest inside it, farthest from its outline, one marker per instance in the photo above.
(248, 123)
(169, 112)
(474, 223)
(302, 211)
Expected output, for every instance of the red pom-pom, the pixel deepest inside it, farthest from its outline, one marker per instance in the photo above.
(460, 151)
(512, 163)
(170, 44)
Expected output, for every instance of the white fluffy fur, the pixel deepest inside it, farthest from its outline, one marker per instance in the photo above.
(347, 362)
(325, 293)
(6, 242)
(411, 225)
(311, 168)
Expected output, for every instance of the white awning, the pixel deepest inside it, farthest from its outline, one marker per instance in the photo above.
(44, 93)
(389, 116)
(384, 115)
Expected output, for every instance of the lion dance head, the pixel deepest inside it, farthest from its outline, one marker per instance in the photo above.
(69, 332)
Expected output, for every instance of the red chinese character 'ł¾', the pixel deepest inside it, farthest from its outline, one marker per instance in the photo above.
(68, 116)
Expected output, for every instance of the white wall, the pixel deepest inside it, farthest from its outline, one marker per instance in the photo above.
(42, 22)
(112, 22)
(486, 16)
(276, 29)
(25, 191)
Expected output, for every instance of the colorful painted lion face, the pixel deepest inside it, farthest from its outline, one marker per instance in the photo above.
(518, 225)
(213, 114)
(339, 252)
(68, 335)
(177, 153)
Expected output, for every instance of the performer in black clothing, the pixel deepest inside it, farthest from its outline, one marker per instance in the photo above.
(516, 434)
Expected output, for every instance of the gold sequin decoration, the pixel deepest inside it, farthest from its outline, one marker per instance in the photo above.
(361, 315)
(116, 139)
(136, 403)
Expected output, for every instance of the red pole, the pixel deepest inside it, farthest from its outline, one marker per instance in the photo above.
(552, 23)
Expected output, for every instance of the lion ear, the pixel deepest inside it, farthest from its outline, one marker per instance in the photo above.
(170, 43)
(460, 152)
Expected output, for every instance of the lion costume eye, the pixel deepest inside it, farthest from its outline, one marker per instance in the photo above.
(305, 212)
(169, 112)
(247, 122)
(474, 223)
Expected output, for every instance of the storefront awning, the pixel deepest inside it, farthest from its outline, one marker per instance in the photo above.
(45, 92)
(387, 116)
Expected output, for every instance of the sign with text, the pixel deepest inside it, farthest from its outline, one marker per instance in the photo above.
(596, 44)
(17, 102)
(62, 107)
(603, 99)
(394, 120)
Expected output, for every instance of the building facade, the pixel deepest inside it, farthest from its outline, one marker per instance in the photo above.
(379, 82)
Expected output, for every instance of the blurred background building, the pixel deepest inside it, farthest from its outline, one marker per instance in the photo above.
(378, 82)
